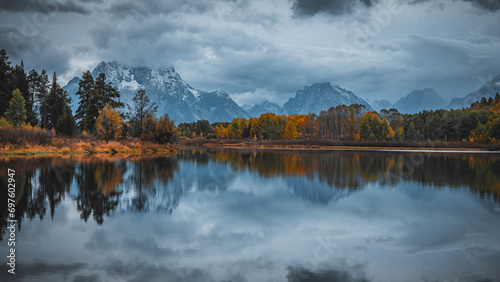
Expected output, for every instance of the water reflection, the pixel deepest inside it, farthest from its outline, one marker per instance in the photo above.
(143, 182)
(257, 215)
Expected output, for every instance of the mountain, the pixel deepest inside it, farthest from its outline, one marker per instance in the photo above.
(378, 105)
(488, 90)
(266, 107)
(419, 100)
(320, 97)
(217, 106)
(167, 89)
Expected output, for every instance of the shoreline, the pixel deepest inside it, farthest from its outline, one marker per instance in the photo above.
(313, 144)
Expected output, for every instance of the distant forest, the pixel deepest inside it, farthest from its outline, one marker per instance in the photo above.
(479, 123)
(29, 102)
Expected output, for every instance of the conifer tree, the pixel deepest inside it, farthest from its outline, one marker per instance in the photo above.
(5, 82)
(85, 104)
(16, 113)
(20, 81)
(66, 122)
(56, 100)
(42, 84)
(141, 109)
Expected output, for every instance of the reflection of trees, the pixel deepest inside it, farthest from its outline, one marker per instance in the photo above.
(145, 173)
(97, 180)
(40, 183)
(354, 169)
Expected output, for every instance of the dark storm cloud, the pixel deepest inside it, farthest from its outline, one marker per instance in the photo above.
(46, 7)
(36, 50)
(487, 5)
(306, 8)
(154, 7)
(334, 7)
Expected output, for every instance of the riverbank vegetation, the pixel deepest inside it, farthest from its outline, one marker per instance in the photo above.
(36, 115)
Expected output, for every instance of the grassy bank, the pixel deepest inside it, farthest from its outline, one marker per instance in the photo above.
(339, 145)
(41, 142)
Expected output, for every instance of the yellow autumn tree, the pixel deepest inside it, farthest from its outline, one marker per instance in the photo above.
(290, 130)
(109, 124)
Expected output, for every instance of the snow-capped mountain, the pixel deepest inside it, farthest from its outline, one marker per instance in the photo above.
(266, 107)
(378, 105)
(488, 90)
(320, 97)
(419, 100)
(166, 88)
(217, 106)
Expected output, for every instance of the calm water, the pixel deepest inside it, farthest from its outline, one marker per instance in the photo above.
(256, 215)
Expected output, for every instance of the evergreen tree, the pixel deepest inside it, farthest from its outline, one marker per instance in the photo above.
(141, 109)
(20, 81)
(85, 105)
(56, 101)
(16, 113)
(41, 83)
(66, 122)
(5, 82)
(106, 94)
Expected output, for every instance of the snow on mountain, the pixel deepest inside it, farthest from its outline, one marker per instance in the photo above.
(378, 105)
(320, 97)
(217, 106)
(419, 100)
(266, 107)
(167, 89)
(488, 90)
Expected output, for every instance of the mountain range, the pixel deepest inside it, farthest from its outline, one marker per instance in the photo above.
(488, 90)
(184, 103)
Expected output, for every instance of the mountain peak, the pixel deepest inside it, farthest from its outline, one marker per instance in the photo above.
(419, 100)
(319, 97)
(488, 90)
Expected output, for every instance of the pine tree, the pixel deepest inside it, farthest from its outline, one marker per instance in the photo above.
(85, 104)
(66, 122)
(5, 82)
(106, 94)
(20, 81)
(42, 84)
(56, 100)
(141, 109)
(16, 113)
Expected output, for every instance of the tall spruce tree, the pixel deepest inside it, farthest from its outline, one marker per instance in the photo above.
(66, 122)
(5, 82)
(93, 96)
(56, 100)
(85, 104)
(20, 81)
(141, 109)
(42, 93)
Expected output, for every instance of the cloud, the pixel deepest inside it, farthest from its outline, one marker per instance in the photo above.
(157, 7)
(34, 48)
(46, 7)
(307, 8)
(334, 7)
(356, 274)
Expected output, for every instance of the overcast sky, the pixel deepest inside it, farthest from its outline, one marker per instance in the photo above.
(267, 49)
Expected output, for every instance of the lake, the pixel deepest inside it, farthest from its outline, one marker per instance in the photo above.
(255, 215)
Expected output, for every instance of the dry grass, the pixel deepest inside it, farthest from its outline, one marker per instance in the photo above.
(39, 142)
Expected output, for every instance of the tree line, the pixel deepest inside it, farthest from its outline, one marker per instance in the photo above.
(30, 101)
(478, 123)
